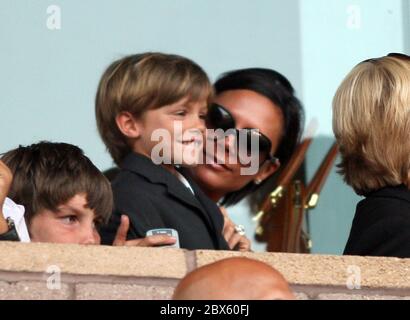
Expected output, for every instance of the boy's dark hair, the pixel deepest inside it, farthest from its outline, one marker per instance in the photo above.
(276, 88)
(141, 82)
(46, 175)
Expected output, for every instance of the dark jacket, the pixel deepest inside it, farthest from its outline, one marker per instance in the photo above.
(154, 198)
(381, 226)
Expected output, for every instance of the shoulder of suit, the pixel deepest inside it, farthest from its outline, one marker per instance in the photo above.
(134, 181)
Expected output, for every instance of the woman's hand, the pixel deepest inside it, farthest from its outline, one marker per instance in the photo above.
(150, 241)
(235, 240)
(6, 178)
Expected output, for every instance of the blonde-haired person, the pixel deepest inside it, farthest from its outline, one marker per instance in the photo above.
(371, 122)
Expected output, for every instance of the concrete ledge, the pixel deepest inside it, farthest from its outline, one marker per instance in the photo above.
(100, 272)
(325, 270)
(93, 260)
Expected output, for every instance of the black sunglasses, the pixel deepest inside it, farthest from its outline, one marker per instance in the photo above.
(218, 117)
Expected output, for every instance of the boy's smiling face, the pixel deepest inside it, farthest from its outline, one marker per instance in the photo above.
(174, 133)
(72, 222)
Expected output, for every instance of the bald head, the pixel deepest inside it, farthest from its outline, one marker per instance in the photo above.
(233, 279)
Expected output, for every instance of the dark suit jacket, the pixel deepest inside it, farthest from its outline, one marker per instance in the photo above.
(154, 198)
(381, 226)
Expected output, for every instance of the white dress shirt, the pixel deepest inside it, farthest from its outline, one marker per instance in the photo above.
(16, 212)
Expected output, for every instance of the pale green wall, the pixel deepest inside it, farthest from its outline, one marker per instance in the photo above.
(48, 78)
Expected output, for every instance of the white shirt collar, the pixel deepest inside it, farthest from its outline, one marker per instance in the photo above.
(184, 181)
(16, 212)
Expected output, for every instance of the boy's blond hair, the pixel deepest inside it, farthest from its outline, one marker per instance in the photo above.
(371, 122)
(141, 82)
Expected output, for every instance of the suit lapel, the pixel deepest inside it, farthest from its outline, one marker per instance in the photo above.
(143, 166)
(212, 210)
(178, 190)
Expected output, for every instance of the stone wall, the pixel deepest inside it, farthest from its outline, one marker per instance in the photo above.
(44, 271)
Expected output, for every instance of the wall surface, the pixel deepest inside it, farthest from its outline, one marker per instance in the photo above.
(44, 271)
(49, 77)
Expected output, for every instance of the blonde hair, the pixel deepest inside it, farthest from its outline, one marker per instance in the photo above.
(141, 82)
(371, 122)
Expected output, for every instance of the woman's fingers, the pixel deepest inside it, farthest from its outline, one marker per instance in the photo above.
(244, 244)
(229, 231)
(239, 242)
(234, 240)
(122, 231)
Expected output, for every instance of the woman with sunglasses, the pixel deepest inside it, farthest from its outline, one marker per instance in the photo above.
(258, 104)
(371, 122)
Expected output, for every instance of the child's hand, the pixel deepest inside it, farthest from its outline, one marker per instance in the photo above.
(235, 240)
(150, 241)
(6, 178)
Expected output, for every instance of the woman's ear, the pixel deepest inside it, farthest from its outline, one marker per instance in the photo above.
(266, 171)
(128, 125)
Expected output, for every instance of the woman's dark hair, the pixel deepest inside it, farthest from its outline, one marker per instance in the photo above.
(277, 88)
